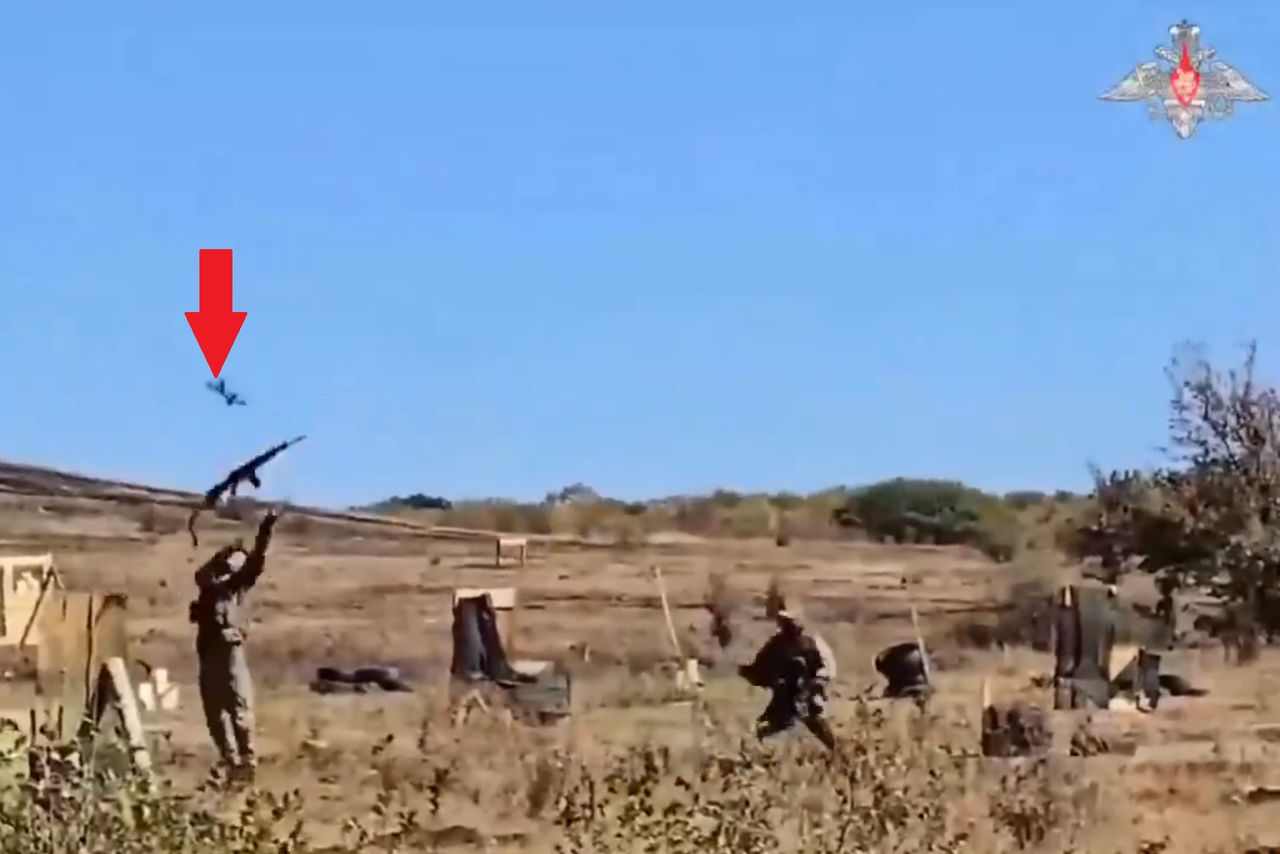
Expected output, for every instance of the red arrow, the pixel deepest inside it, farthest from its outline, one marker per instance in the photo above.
(215, 325)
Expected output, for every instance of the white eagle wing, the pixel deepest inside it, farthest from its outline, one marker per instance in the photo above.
(1221, 79)
(1146, 81)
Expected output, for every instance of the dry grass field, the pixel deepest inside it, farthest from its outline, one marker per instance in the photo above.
(346, 593)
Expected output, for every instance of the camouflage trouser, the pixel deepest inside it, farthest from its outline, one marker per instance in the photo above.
(226, 692)
(789, 705)
(1081, 693)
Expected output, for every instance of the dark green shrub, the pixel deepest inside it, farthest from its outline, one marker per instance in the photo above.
(941, 512)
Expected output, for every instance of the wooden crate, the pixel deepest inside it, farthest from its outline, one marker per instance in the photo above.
(79, 633)
(505, 601)
(25, 581)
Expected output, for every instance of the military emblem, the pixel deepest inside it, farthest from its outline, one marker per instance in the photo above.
(1186, 83)
(1185, 79)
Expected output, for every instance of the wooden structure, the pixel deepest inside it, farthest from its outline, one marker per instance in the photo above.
(1013, 729)
(503, 544)
(74, 646)
(505, 603)
(1135, 678)
(532, 689)
(1083, 641)
(24, 583)
(80, 633)
(156, 693)
(687, 676)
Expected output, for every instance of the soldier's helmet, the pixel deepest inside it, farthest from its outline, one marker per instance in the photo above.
(791, 617)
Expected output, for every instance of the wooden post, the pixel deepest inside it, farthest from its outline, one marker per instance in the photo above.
(666, 612)
(90, 684)
(924, 654)
(687, 675)
(129, 713)
(45, 583)
(513, 622)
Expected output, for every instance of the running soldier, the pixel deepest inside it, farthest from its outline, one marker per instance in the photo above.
(798, 667)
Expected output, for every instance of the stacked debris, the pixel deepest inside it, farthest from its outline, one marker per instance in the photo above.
(1015, 729)
(478, 654)
(1084, 635)
(1139, 677)
(538, 690)
(1087, 741)
(361, 680)
(905, 668)
(720, 603)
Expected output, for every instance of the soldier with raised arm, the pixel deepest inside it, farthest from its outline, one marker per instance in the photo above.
(226, 690)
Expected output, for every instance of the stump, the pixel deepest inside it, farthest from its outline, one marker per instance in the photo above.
(1015, 729)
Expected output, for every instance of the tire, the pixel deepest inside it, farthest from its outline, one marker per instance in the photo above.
(394, 685)
(329, 686)
(335, 674)
(1176, 686)
(376, 675)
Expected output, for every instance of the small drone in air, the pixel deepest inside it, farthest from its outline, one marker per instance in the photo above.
(220, 387)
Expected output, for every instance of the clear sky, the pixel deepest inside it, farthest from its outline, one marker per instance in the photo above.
(491, 249)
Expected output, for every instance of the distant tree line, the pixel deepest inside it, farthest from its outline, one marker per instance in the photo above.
(899, 510)
(1207, 520)
(418, 501)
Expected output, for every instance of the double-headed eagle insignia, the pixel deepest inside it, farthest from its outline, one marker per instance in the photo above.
(1186, 83)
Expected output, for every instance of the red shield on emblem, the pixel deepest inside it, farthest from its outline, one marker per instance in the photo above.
(1185, 80)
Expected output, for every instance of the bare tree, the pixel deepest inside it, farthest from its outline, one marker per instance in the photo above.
(1210, 519)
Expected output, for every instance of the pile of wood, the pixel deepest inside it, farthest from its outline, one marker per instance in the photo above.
(1015, 729)
(79, 685)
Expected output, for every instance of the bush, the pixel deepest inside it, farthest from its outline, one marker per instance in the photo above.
(998, 533)
(895, 786)
(231, 510)
(66, 805)
(1025, 498)
(940, 512)
(154, 520)
(1211, 519)
(883, 793)
(418, 501)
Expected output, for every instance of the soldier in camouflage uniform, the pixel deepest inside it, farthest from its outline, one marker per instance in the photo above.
(798, 667)
(226, 690)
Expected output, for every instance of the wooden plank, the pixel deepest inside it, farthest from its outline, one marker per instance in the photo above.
(52, 655)
(110, 627)
(27, 634)
(503, 598)
(24, 581)
(504, 604)
(666, 612)
(128, 706)
(924, 653)
(81, 631)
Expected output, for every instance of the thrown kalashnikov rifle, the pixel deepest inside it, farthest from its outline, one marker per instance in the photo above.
(230, 397)
(246, 473)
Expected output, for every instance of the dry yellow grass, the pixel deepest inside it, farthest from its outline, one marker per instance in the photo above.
(333, 596)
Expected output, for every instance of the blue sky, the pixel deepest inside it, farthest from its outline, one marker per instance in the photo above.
(657, 247)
